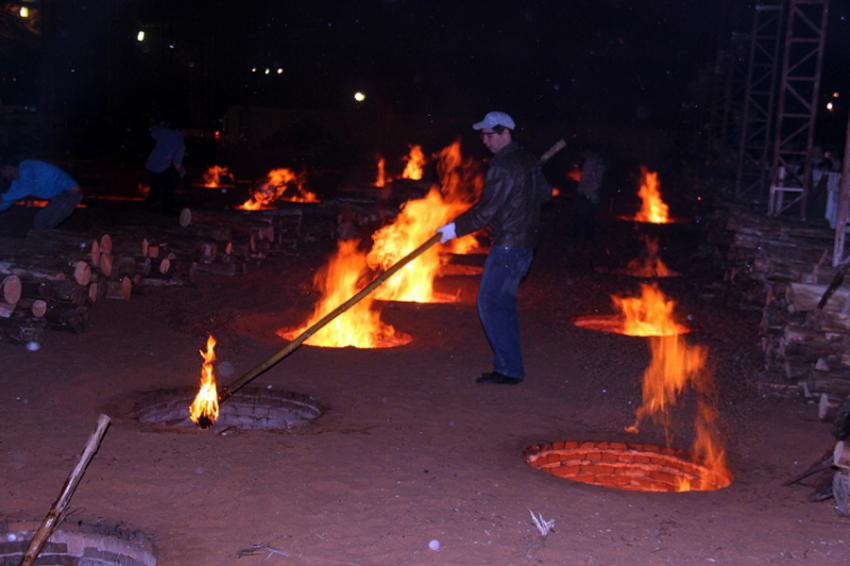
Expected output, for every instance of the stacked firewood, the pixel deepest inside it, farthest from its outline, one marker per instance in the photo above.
(53, 277)
(783, 268)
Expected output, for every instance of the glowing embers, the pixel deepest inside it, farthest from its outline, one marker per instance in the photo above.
(650, 314)
(281, 185)
(361, 325)
(633, 467)
(217, 176)
(247, 409)
(74, 542)
(649, 265)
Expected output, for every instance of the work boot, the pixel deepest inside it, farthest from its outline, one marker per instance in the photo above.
(497, 378)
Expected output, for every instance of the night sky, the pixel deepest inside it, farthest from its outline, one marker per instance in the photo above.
(587, 61)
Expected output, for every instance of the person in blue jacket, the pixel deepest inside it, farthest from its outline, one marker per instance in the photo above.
(39, 179)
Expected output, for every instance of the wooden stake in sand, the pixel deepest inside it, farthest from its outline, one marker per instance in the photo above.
(57, 511)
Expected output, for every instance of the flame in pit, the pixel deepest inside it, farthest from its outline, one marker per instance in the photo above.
(414, 164)
(653, 209)
(651, 314)
(574, 174)
(281, 184)
(204, 409)
(649, 264)
(381, 180)
(214, 176)
(675, 367)
(361, 325)
(417, 221)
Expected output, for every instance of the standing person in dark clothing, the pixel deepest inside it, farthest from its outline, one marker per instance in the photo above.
(164, 164)
(33, 178)
(514, 190)
(587, 200)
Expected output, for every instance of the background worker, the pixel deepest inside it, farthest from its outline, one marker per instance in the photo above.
(514, 190)
(164, 165)
(39, 179)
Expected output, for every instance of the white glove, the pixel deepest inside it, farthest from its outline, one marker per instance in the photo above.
(447, 232)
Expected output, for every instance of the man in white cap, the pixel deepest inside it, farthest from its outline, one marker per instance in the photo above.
(514, 190)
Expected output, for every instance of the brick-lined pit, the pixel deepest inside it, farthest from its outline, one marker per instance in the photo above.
(247, 409)
(74, 544)
(633, 467)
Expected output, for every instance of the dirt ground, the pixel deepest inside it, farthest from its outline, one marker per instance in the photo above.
(410, 449)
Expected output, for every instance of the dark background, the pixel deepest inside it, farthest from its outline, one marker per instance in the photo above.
(602, 66)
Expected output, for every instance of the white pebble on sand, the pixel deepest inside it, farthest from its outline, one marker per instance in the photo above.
(434, 545)
(33, 346)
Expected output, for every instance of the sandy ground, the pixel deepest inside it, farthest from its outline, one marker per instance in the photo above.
(410, 449)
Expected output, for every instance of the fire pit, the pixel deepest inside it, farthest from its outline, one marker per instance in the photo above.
(632, 467)
(77, 544)
(248, 409)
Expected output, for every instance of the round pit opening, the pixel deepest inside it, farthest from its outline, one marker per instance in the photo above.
(76, 543)
(626, 466)
(247, 409)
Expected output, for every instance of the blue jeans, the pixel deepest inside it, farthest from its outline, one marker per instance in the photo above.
(503, 270)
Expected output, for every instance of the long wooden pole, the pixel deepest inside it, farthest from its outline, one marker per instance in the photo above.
(843, 203)
(54, 516)
(253, 373)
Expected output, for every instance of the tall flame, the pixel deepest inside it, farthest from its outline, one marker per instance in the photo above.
(653, 209)
(381, 180)
(361, 325)
(460, 182)
(204, 409)
(649, 264)
(674, 367)
(651, 314)
(281, 184)
(417, 222)
(213, 176)
(415, 163)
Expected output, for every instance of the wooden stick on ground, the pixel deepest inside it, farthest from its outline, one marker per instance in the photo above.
(55, 515)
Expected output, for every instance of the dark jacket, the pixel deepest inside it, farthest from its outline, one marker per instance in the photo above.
(514, 190)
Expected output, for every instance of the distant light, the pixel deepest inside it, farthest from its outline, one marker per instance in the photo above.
(835, 94)
(830, 106)
(280, 70)
(253, 69)
(140, 37)
(24, 12)
(267, 71)
(359, 96)
(171, 46)
(217, 135)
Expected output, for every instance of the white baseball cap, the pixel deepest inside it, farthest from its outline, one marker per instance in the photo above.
(493, 119)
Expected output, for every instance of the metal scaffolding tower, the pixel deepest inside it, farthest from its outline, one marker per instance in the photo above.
(798, 101)
(759, 95)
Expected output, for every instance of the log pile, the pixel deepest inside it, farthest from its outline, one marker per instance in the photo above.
(52, 278)
(782, 268)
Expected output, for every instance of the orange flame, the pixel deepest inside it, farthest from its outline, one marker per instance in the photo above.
(651, 314)
(204, 409)
(281, 184)
(381, 180)
(653, 209)
(417, 221)
(415, 162)
(649, 264)
(361, 325)
(675, 366)
(574, 174)
(213, 176)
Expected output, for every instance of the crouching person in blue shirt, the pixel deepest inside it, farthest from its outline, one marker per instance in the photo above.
(32, 178)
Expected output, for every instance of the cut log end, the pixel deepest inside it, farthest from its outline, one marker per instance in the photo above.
(12, 288)
(82, 273)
